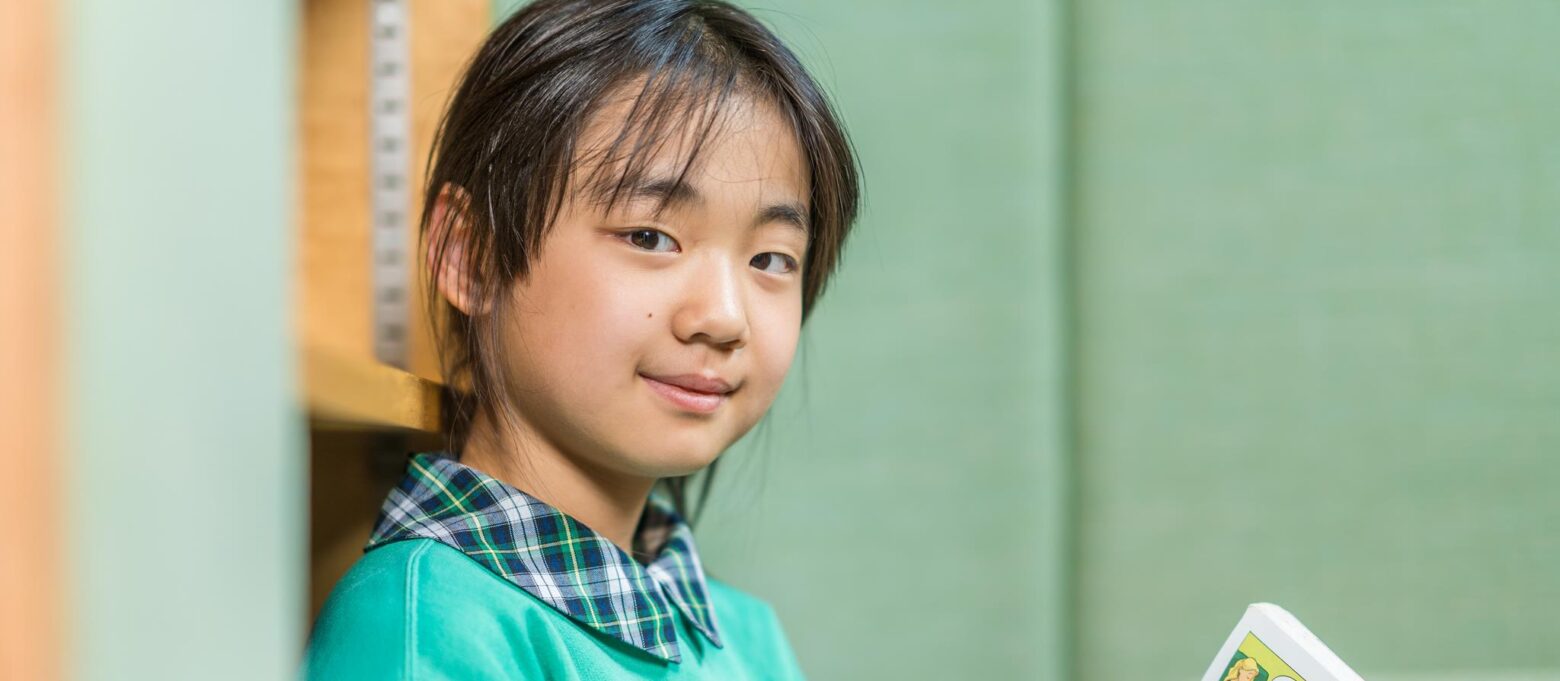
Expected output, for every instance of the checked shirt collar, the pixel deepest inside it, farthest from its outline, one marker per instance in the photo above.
(553, 556)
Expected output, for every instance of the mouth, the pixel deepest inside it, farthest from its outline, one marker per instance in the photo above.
(701, 395)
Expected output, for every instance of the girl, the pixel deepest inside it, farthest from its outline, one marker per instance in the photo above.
(632, 207)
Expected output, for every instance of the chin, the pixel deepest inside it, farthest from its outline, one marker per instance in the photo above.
(671, 461)
(673, 466)
(668, 449)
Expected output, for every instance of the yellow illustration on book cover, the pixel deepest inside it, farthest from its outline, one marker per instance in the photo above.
(1253, 661)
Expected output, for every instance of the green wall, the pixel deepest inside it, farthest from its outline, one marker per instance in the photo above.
(1318, 257)
(186, 480)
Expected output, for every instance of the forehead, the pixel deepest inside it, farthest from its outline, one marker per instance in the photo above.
(634, 137)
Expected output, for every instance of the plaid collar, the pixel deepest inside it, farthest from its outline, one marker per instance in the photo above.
(553, 556)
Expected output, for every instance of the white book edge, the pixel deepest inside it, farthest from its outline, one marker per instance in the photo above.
(1283, 634)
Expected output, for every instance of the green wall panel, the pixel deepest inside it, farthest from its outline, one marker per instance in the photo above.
(1317, 255)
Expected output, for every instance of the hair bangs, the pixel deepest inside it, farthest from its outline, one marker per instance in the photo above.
(679, 107)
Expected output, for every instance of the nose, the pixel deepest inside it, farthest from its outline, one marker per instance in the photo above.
(714, 305)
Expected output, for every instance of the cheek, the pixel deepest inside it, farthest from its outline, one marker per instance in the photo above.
(587, 325)
(776, 331)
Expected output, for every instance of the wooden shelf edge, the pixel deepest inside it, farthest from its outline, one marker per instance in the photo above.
(344, 392)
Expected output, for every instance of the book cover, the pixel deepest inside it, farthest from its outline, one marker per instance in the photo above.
(1269, 644)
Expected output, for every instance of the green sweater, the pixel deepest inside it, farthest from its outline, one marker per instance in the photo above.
(420, 609)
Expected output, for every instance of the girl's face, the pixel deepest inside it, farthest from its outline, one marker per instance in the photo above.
(713, 289)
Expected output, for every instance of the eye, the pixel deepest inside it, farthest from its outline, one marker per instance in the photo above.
(771, 258)
(639, 237)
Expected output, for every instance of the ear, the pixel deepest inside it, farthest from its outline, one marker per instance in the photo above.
(455, 282)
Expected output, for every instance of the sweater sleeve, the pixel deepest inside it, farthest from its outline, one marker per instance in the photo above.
(390, 619)
(361, 632)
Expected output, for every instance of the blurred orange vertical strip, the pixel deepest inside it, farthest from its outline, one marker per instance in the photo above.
(30, 492)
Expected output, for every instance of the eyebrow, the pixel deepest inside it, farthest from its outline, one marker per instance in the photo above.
(667, 191)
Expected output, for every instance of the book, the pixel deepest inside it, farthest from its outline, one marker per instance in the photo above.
(1269, 644)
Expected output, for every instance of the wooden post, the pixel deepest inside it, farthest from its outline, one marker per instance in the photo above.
(30, 607)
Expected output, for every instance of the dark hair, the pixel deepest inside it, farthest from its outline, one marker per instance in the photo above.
(508, 140)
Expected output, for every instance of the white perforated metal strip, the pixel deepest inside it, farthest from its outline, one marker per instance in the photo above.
(389, 167)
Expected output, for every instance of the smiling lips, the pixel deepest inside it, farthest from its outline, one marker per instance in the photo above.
(692, 392)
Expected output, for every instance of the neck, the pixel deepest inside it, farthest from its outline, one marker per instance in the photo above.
(609, 502)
